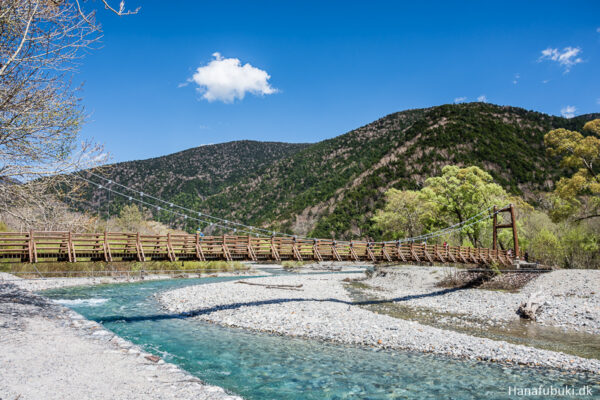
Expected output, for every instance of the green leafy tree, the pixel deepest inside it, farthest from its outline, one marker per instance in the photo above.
(401, 215)
(458, 195)
(579, 194)
(453, 197)
(130, 219)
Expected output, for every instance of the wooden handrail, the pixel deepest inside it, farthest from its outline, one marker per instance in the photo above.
(37, 246)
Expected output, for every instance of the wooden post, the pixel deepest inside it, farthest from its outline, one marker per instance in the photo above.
(495, 232)
(352, 252)
(316, 252)
(514, 228)
(334, 252)
(226, 253)
(295, 250)
(399, 251)
(107, 255)
(139, 249)
(30, 246)
(199, 252)
(170, 253)
(274, 251)
(449, 254)
(384, 253)
(370, 251)
(251, 252)
(426, 253)
(69, 247)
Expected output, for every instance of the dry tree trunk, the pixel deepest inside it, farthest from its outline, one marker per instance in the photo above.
(531, 307)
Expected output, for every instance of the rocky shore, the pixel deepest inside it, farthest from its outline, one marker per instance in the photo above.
(38, 284)
(571, 298)
(318, 306)
(51, 352)
(46, 345)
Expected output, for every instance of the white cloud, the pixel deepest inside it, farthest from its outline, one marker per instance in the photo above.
(226, 79)
(568, 111)
(566, 58)
(598, 29)
(546, 81)
(459, 100)
(516, 78)
(482, 98)
(598, 100)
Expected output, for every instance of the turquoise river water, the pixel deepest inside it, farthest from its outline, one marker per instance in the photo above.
(262, 366)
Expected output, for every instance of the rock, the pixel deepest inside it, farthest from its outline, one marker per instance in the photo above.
(153, 358)
(532, 307)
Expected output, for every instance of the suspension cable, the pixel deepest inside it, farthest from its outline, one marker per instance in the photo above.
(188, 210)
(159, 208)
(226, 224)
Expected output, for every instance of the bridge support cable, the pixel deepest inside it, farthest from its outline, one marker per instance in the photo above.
(159, 208)
(187, 211)
(253, 230)
(475, 219)
(227, 224)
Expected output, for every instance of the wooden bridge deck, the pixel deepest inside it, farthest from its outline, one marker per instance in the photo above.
(122, 246)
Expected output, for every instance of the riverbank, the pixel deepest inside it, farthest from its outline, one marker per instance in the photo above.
(37, 284)
(51, 352)
(571, 298)
(319, 306)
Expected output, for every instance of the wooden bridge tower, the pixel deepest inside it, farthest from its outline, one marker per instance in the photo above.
(512, 224)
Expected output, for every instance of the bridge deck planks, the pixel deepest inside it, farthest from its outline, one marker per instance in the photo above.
(126, 246)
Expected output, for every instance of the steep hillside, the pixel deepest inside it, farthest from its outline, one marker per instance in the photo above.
(332, 187)
(198, 172)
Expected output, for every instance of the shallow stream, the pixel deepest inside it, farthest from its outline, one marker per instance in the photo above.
(262, 366)
(518, 331)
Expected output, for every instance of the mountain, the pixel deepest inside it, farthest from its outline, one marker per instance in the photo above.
(331, 188)
(200, 171)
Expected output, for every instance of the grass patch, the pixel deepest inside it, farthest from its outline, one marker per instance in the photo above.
(294, 264)
(98, 268)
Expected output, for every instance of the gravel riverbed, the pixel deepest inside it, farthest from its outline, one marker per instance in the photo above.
(38, 284)
(52, 352)
(322, 309)
(571, 297)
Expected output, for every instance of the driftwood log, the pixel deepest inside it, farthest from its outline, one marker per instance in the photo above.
(531, 307)
(271, 286)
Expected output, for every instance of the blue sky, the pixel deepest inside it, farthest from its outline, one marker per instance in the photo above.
(332, 66)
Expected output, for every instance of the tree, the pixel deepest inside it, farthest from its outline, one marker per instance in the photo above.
(46, 214)
(41, 42)
(40, 113)
(401, 215)
(456, 196)
(578, 195)
(130, 219)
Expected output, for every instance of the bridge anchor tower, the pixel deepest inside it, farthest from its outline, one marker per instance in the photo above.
(510, 209)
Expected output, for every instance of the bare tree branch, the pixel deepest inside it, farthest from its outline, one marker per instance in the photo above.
(41, 43)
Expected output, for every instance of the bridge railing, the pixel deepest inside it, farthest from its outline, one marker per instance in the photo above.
(37, 246)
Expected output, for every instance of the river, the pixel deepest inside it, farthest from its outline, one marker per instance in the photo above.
(262, 366)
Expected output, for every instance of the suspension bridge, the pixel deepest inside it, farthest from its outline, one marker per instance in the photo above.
(247, 243)
(122, 246)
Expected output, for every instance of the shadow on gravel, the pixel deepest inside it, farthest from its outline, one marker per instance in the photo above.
(18, 302)
(234, 306)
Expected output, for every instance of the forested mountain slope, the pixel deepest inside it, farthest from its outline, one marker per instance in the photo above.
(332, 187)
